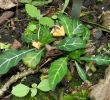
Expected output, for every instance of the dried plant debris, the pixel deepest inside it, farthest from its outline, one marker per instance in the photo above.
(101, 90)
(106, 19)
(7, 4)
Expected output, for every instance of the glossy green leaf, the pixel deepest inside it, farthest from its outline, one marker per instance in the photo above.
(32, 26)
(67, 23)
(81, 72)
(78, 28)
(32, 59)
(10, 59)
(20, 90)
(46, 21)
(57, 71)
(100, 60)
(70, 44)
(33, 11)
(44, 85)
(44, 35)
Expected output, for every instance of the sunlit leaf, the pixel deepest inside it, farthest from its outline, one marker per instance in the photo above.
(57, 71)
(33, 92)
(100, 60)
(20, 90)
(70, 44)
(46, 21)
(32, 59)
(10, 59)
(81, 72)
(44, 85)
(33, 11)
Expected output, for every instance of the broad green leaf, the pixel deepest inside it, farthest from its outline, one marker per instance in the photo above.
(44, 35)
(33, 11)
(78, 28)
(57, 71)
(44, 85)
(81, 72)
(10, 59)
(46, 21)
(33, 92)
(100, 60)
(67, 23)
(70, 44)
(20, 90)
(32, 59)
(28, 38)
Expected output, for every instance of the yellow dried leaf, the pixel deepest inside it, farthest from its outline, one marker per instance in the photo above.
(59, 31)
(36, 44)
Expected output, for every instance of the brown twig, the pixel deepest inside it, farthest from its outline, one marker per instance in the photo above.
(18, 76)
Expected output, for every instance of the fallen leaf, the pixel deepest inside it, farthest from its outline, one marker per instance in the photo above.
(36, 44)
(7, 4)
(16, 44)
(101, 91)
(58, 31)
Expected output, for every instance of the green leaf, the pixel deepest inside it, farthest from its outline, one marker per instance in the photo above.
(32, 59)
(76, 54)
(10, 59)
(32, 26)
(78, 28)
(20, 90)
(100, 60)
(70, 44)
(28, 38)
(44, 85)
(33, 11)
(44, 35)
(46, 21)
(81, 72)
(86, 34)
(33, 92)
(67, 23)
(57, 71)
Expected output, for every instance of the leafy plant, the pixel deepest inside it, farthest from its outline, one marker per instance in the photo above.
(22, 90)
(73, 44)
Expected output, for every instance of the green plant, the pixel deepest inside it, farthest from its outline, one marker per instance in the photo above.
(73, 44)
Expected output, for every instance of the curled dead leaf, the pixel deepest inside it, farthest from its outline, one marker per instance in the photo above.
(36, 44)
(58, 31)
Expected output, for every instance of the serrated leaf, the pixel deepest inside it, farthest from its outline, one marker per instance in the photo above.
(57, 71)
(10, 59)
(46, 21)
(44, 35)
(33, 92)
(70, 44)
(20, 90)
(100, 60)
(67, 23)
(81, 72)
(32, 59)
(33, 11)
(28, 38)
(44, 85)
